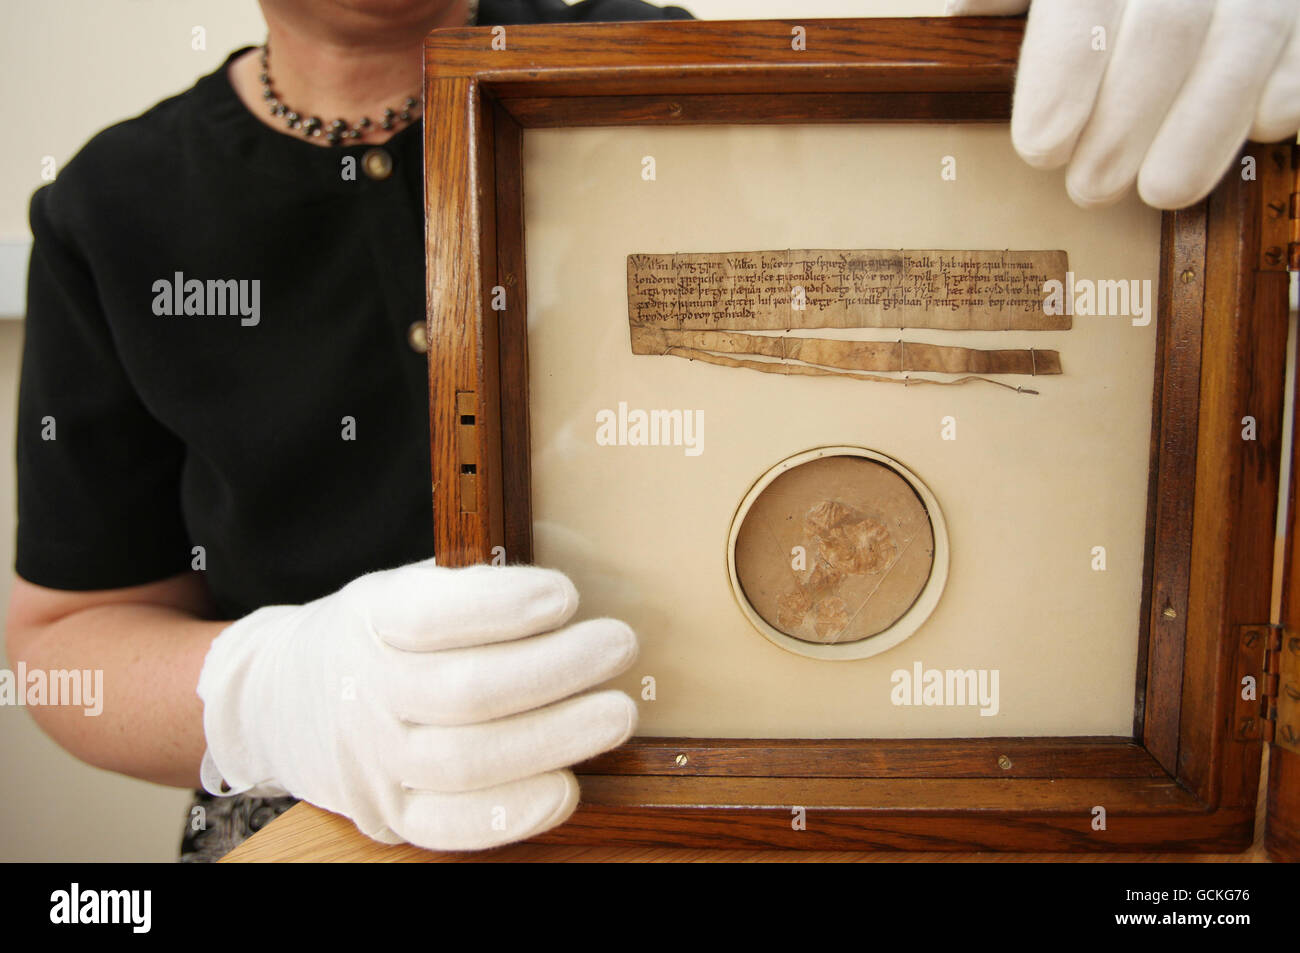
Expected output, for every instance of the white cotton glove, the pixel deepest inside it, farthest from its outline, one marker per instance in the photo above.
(1178, 88)
(437, 706)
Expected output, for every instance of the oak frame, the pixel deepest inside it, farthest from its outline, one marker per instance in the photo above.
(1181, 781)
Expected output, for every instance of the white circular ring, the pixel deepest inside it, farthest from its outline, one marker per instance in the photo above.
(907, 623)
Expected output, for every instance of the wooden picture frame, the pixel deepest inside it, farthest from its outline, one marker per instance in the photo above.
(1187, 777)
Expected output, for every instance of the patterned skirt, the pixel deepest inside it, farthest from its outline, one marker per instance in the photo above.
(214, 826)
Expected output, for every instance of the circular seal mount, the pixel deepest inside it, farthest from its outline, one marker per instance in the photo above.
(838, 553)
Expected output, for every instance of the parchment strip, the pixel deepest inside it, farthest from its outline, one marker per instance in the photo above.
(895, 356)
(808, 370)
(868, 288)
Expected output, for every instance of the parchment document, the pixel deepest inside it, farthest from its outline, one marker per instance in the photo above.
(715, 307)
(837, 288)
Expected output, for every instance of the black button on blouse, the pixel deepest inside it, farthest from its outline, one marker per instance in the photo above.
(378, 164)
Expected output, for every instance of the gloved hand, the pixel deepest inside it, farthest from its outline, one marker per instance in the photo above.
(1169, 101)
(424, 703)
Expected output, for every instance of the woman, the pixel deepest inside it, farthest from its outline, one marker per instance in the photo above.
(222, 402)
(223, 381)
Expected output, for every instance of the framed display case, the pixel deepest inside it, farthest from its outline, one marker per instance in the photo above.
(945, 511)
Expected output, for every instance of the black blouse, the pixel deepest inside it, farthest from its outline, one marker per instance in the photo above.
(218, 353)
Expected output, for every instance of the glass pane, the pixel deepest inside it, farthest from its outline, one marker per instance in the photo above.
(1030, 486)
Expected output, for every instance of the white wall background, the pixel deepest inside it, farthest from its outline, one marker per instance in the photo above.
(68, 68)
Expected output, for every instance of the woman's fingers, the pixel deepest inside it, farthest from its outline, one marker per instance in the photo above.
(1153, 52)
(1062, 60)
(1213, 112)
(472, 757)
(1278, 114)
(487, 682)
(500, 815)
(426, 608)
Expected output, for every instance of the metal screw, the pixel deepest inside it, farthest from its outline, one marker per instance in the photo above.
(681, 760)
(1247, 724)
(1289, 735)
(1189, 276)
(1251, 638)
(1169, 613)
(1276, 209)
(1274, 255)
(674, 109)
(1293, 644)
(1004, 762)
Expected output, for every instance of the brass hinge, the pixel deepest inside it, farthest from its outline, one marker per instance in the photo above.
(1279, 246)
(1286, 679)
(1293, 247)
(1267, 686)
